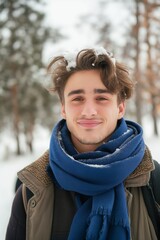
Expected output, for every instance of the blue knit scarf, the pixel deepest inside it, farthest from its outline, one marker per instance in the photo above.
(100, 176)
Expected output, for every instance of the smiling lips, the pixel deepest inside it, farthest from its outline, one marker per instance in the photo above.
(89, 123)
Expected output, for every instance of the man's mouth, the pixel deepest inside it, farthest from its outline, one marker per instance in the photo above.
(89, 123)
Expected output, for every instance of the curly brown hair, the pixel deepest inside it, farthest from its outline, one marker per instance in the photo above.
(115, 76)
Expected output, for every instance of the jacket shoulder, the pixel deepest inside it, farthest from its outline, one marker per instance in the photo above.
(155, 180)
(36, 170)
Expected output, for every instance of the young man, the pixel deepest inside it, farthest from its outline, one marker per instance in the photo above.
(91, 183)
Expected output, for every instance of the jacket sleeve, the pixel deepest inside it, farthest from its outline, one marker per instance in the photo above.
(151, 194)
(155, 180)
(16, 229)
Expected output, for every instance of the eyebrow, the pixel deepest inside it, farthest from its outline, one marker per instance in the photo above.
(101, 90)
(78, 91)
(81, 91)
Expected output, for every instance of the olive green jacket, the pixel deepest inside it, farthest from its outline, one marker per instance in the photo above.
(40, 208)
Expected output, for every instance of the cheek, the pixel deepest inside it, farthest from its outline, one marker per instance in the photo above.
(112, 113)
(68, 111)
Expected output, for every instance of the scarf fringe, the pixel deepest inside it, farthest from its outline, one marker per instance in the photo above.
(98, 223)
(102, 225)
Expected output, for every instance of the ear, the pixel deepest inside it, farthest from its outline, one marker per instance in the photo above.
(63, 112)
(122, 108)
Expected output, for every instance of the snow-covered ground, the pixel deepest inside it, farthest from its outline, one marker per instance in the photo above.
(10, 166)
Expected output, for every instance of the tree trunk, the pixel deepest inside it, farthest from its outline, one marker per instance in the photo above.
(149, 71)
(154, 116)
(15, 111)
(29, 128)
(138, 96)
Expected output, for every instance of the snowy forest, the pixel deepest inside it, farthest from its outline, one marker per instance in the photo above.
(29, 34)
(25, 102)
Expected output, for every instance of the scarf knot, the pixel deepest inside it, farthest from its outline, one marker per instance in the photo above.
(100, 176)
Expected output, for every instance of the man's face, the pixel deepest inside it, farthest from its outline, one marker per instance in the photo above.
(90, 110)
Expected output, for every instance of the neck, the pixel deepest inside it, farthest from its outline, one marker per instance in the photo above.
(82, 146)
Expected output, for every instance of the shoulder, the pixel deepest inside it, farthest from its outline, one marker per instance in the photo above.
(36, 173)
(155, 174)
(157, 167)
(155, 180)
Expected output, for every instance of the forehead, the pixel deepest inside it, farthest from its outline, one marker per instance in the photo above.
(88, 80)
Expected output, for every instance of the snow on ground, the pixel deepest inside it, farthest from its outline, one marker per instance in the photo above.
(9, 168)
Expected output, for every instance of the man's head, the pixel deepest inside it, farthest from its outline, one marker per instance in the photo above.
(92, 89)
(114, 75)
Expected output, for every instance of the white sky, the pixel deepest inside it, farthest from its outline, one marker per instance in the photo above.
(65, 14)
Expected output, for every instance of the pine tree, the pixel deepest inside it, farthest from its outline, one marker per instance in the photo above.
(22, 40)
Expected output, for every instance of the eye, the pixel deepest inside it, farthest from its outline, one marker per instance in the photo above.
(78, 99)
(102, 98)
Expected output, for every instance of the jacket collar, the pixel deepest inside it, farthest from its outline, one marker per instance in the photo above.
(141, 175)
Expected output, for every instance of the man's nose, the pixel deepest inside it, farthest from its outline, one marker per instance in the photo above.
(89, 109)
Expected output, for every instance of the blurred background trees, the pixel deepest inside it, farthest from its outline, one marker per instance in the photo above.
(22, 39)
(142, 47)
(24, 102)
(140, 50)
